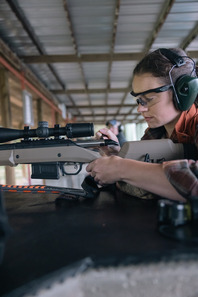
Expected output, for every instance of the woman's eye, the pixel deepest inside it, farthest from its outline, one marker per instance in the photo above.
(148, 99)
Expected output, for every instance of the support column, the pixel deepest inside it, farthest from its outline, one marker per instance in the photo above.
(6, 119)
(56, 118)
(39, 110)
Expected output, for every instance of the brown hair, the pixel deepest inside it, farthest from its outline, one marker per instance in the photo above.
(159, 66)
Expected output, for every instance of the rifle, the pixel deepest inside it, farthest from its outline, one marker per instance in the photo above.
(50, 151)
(50, 156)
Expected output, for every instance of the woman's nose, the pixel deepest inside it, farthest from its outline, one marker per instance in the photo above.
(142, 108)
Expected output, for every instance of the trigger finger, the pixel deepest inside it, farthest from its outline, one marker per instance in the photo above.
(89, 167)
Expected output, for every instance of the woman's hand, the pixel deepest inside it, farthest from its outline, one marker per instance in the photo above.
(108, 134)
(105, 170)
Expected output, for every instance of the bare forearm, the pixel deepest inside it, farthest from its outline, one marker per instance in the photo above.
(148, 176)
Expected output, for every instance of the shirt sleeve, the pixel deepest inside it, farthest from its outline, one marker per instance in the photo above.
(183, 175)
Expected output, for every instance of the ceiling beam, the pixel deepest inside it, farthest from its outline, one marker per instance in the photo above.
(190, 37)
(81, 58)
(90, 91)
(102, 106)
(114, 32)
(28, 75)
(87, 58)
(159, 23)
(29, 30)
(101, 121)
(111, 114)
(193, 54)
(161, 18)
(70, 25)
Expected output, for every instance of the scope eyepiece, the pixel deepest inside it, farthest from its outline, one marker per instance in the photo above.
(79, 130)
(73, 130)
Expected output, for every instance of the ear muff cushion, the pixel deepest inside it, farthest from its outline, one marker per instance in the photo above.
(187, 90)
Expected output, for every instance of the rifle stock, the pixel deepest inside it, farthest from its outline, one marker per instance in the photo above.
(156, 150)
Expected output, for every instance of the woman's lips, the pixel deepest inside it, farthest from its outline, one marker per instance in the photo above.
(147, 119)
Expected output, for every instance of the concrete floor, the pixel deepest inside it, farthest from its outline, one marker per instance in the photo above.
(172, 279)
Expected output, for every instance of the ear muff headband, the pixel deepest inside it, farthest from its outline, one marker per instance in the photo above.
(186, 86)
(174, 58)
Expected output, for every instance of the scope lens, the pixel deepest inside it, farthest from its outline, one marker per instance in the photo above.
(79, 130)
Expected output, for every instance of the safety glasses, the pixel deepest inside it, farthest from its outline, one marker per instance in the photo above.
(156, 90)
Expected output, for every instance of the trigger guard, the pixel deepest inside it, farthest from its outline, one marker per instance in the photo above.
(75, 173)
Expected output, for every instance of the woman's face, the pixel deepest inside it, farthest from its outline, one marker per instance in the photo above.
(159, 109)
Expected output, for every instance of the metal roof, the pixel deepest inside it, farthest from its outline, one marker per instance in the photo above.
(84, 51)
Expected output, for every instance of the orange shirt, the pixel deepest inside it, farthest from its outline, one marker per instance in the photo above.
(182, 174)
(185, 128)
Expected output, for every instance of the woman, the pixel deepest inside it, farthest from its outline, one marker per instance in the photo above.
(155, 82)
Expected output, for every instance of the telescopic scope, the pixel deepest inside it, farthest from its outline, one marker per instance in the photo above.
(73, 130)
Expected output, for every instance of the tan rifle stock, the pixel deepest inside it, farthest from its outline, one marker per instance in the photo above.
(157, 149)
